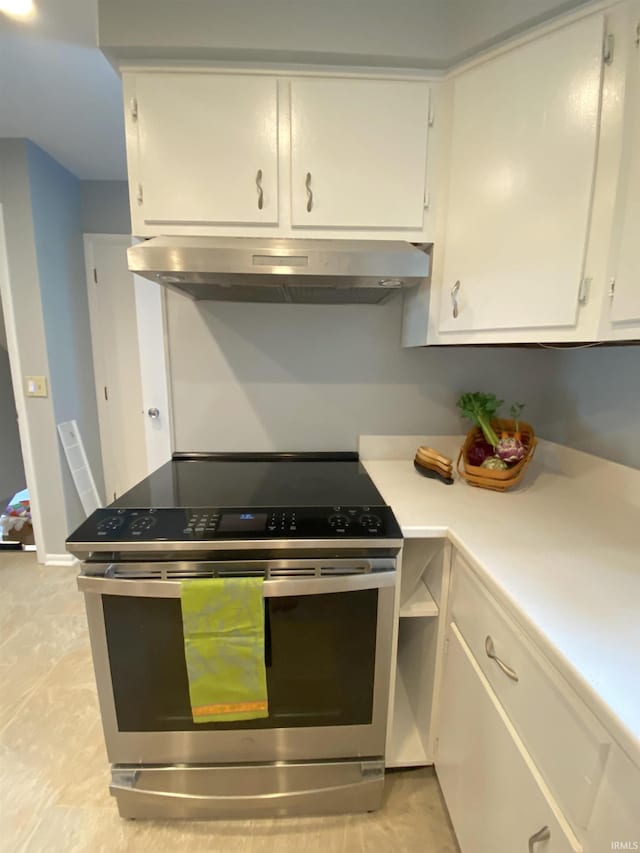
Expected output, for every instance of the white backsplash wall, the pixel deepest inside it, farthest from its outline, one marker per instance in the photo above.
(299, 377)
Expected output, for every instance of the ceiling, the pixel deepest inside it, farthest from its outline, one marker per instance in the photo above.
(57, 88)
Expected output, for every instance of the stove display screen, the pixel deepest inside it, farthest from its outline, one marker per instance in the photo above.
(236, 522)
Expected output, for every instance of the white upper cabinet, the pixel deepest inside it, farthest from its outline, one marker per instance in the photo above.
(240, 154)
(523, 149)
(358, 153)
(205, 149)
(624, 270)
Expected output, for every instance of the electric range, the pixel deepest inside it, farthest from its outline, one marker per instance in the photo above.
(317, 531)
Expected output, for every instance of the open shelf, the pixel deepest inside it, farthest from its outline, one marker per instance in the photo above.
(421, 603)
(406, 748)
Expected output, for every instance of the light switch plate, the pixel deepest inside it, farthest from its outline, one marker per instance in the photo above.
(36, 386)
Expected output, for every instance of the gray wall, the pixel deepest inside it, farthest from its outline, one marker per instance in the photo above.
(290, 377)
(104, 207)
(12, 476)
(295, 377)
(406, 33)
(305, 376)
(596, 402)
(55, 205)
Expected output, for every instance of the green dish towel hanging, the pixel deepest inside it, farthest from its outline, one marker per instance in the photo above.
(223, 626)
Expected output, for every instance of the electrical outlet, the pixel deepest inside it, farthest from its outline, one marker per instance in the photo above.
(36, 386)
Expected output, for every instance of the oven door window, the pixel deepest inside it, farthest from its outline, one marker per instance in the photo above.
(319, 653)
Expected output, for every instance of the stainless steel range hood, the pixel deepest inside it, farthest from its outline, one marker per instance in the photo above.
(242, 269)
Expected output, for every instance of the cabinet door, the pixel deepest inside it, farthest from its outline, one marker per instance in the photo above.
(203, 140)
(493, 793)
(523, 148)
(625, 306)
(358, 153)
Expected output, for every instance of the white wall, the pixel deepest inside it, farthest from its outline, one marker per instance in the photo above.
(298, 377)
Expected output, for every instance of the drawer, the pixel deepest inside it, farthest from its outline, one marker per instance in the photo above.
(497, 801)
(566, 742)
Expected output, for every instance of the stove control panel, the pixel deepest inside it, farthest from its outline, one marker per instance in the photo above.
(123, 525)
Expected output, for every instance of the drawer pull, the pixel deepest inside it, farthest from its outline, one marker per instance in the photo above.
(543, 834)
(491, 653)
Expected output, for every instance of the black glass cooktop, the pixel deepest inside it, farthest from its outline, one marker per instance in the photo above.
(202, 500)
(256, 480)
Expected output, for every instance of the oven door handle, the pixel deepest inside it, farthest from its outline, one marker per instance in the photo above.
(273, 588)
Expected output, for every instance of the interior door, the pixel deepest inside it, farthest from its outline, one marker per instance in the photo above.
(149, 300)
(120, 335)
(522, 160)
(358, 153)
(207, 148)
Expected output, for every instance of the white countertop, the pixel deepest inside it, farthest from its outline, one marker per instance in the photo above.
(562, 551)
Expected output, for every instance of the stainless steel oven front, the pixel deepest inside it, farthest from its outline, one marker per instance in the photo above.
(328, 640)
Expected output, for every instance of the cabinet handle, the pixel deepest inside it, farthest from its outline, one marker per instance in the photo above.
(490, 649)
(543, 834)
(454, 298)
(259, 186)
(307, 186)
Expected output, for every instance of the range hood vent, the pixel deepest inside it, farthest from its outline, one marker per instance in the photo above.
(320, 272)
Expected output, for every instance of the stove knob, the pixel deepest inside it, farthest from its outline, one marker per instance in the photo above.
(339, 521)
(370, 521)
(142, 524)
(110, 524)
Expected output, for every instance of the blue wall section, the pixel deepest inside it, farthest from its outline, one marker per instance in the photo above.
(55, 203)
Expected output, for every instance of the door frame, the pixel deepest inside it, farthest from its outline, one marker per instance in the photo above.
(91, 241)
(15, 363)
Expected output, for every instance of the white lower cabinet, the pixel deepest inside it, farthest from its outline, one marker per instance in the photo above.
(496, 798)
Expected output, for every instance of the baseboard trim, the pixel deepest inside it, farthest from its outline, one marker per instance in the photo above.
(60, 560)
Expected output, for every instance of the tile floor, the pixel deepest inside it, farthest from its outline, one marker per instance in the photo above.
(53, 766)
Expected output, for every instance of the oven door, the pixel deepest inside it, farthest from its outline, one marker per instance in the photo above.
(327, 653)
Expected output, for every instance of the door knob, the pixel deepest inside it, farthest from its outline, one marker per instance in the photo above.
(154, 413)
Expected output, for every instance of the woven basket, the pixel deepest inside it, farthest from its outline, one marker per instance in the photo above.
(487, 478)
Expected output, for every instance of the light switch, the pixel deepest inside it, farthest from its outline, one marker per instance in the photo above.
(36, 386)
